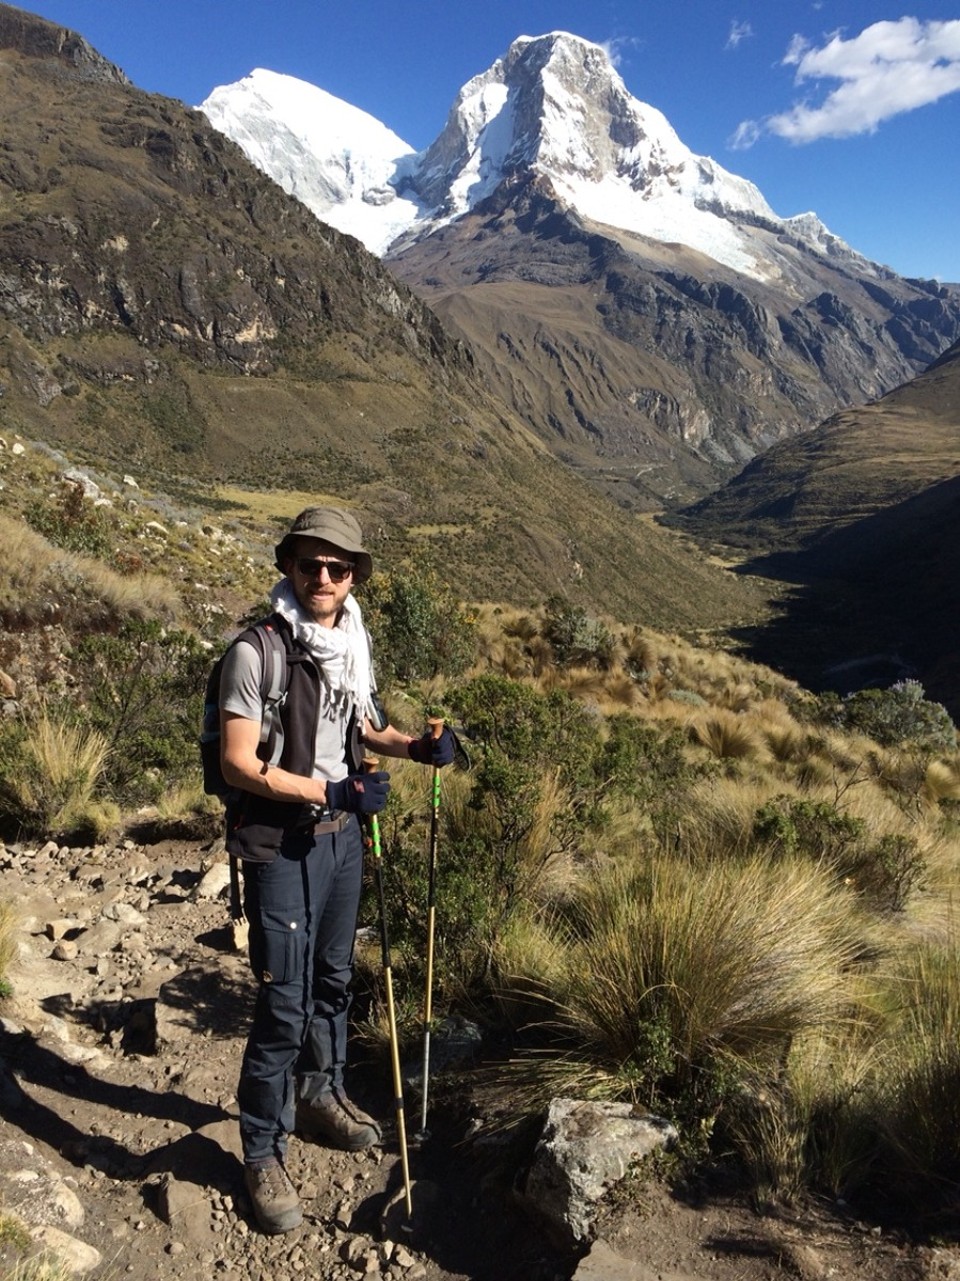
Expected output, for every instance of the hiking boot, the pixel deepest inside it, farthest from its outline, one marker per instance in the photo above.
(276, 1205)
(338, 1121)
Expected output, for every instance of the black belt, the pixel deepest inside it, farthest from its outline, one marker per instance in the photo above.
(330, 821)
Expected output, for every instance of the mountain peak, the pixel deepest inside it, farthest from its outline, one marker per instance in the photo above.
(552, 108)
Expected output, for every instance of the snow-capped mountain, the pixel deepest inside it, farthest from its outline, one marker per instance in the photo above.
(554, 107)
(337, 160)
(643, 309)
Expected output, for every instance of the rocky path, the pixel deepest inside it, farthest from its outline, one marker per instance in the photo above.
(119, 1051)
(118, 1140)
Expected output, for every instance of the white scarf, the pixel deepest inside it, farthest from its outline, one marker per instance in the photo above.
(342, 652)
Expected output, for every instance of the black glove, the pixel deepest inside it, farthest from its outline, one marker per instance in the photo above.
(359, 793)
(432, 751)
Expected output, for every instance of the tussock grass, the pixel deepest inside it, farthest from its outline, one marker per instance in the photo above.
(812, 1125)
(9, 921)
(916, 1096)
(727, 736)
(673, 969)
(720, 816)
(942, 780)
(53, 784)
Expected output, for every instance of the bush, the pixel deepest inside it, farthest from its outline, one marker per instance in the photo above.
(577, 640)
(143, 691)
(646, 765)
(509, 830)
(816, 829)
(419, 629)
(71, 522)
(898, 715)
(885, 871)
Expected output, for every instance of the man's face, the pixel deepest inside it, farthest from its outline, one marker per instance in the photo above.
(313, 584)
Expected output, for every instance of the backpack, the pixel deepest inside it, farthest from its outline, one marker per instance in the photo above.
(273, 691)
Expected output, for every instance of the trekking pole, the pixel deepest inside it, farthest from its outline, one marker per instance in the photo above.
(370, 764)
(436, 729)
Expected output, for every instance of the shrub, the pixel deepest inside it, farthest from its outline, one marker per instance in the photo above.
(884, 869)
(576, 638)
(71, 522)
(143, 689)
(647, 767)
(900, 714)
(817, 829)
(419, 629)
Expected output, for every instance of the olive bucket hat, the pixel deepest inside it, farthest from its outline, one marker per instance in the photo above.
(335, 526)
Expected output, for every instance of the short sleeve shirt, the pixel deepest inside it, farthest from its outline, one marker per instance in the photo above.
(240, 693)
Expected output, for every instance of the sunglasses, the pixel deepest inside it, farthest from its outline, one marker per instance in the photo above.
(337, 569)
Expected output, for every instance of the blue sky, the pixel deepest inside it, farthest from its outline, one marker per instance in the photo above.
(848, 109)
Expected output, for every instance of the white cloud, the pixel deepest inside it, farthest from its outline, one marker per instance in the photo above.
(738, 31)
(745, 135)
(614, 48)
(889, 68)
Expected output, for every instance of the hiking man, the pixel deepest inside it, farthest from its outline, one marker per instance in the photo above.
(295, 829)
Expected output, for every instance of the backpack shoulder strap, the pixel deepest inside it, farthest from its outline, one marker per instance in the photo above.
(269, 636)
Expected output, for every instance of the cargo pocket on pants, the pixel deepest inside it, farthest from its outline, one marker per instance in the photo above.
(280, 945)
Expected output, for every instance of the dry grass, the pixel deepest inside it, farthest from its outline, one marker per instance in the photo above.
(727, 736)
(39, 583)
(812, 1125)
(57, 778)
(942, 780)
(915, 1098)
(9, 922)
(723, 961)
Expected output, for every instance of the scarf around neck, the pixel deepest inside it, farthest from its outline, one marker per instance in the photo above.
(342, 652)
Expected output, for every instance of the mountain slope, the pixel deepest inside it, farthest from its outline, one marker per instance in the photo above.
(853, 466)
(861, 518)
(167, 310)
(644, 310)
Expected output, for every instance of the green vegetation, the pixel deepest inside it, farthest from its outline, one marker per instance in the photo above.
(671, 877)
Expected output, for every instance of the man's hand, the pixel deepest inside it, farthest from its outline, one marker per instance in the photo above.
(359, 793)
(432, 751)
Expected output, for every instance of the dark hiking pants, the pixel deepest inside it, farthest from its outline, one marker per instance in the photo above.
(302, 909)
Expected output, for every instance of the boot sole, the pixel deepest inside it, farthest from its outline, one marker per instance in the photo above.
(310, 1135)
(280, 1223)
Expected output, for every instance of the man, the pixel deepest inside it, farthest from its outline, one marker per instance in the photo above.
(296, 830)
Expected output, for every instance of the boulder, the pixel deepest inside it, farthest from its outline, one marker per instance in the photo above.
(585, 1149)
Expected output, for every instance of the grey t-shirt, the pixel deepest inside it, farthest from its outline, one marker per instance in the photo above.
(240, 693)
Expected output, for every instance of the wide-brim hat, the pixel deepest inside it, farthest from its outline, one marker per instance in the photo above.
(333, 525)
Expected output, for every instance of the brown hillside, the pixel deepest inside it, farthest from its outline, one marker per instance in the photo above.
(863, 515)
(168, 311)
(854, 465)
(652, 369)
